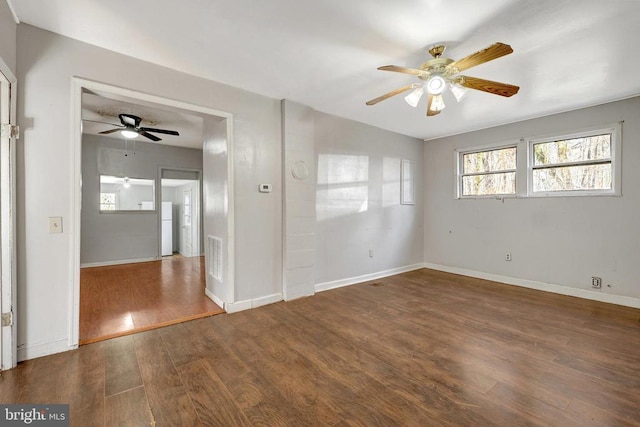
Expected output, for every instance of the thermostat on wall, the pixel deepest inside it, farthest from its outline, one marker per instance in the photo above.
(264, 188)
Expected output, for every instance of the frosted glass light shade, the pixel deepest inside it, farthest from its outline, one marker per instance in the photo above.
(414, 97)
(437, 103)
(458, 91)
(129, 133)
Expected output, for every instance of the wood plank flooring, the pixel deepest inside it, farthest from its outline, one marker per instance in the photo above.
(123, 299)
(423, 348)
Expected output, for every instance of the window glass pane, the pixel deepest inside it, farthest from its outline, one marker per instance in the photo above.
(489, 161)
(495, 183)
(568, 178)
(107, 201)
(597, 147)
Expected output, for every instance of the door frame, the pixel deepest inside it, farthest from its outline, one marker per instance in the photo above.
(8, 334)
(200, 173)
(78, 84)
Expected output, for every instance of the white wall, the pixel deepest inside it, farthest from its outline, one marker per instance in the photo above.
(299, 214)
(7, 36)
(560, 241)
(46, 64)
(216, 205)
(358, 201)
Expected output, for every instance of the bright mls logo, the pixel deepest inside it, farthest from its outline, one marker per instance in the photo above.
(35, 415)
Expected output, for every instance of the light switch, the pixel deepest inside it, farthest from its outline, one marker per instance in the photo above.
(55, 224)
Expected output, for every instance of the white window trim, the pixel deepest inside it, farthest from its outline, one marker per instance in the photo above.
(616, 170)
(458, 155)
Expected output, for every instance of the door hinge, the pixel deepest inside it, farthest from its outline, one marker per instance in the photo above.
(7, 319)
(9, 131)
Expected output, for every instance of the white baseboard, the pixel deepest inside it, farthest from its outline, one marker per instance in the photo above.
(366, 277)
(298, 292)
(237, 306)
(252, 303)
(541, 286)
(44, 349)
(214, 298)
(117, 262)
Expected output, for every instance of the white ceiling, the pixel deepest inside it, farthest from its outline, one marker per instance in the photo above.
(567, 53)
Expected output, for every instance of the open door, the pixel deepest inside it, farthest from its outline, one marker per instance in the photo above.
(8, 135)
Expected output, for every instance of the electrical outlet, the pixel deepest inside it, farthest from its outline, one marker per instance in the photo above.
(596, 282)
(507, 256)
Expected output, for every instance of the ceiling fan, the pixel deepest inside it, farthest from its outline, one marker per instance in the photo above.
(130, 128)
(439, 73)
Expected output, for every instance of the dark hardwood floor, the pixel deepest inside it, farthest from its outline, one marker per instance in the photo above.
(418, 349)
(123, 299)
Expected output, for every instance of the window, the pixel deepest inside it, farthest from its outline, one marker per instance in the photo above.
(581, 163)
(121, 193)
(487, 173)
(108, 201)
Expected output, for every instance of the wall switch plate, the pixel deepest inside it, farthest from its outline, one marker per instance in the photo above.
(55, 224)
(264, 188)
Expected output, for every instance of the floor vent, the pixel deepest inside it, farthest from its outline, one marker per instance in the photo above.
(215, 257)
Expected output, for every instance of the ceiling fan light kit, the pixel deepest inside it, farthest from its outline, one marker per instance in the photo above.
(129, 134)
(439, 73)
(130, 128)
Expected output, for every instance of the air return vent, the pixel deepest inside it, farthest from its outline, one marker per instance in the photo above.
(215, 257)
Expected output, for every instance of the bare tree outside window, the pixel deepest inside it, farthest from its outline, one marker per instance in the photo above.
(573, 165)
(490, 172)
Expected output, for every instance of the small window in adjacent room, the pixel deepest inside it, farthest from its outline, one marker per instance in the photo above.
(124, 194)
(108, 201)
(576, 164)
(490, 172)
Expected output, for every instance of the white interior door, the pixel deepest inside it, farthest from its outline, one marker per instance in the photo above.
(187, 217)
(8, 356)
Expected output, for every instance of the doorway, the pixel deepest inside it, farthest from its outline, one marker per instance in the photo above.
(222, 131)
(181, 226)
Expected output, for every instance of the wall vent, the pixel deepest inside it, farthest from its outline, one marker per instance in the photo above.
(215, 257)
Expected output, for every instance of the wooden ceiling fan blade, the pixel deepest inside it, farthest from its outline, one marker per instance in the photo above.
(165, 131)
(496, 88)
(150, 136)
(490, 53)
(430, 112)
(107, 132)
(403, 70)
(389, 94)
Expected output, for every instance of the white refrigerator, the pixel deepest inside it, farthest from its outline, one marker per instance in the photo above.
(167, 228)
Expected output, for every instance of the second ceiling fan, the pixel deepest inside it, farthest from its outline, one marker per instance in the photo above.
(130, 128)
(439, 73)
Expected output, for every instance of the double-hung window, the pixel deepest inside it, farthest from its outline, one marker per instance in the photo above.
(583, 163)
(490, 172)
(576, 164)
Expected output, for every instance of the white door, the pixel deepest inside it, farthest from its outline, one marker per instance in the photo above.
(187, 237)
(8, 356)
